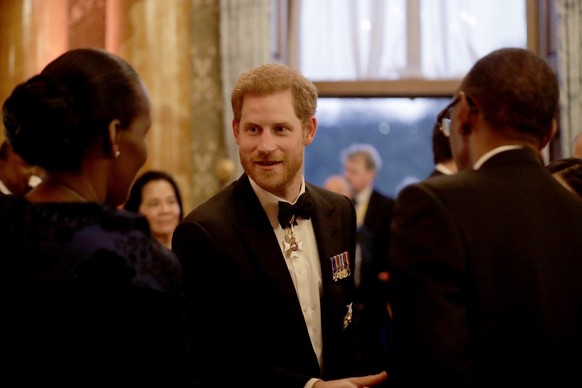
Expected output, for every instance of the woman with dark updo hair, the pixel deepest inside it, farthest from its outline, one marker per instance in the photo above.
(94, 299)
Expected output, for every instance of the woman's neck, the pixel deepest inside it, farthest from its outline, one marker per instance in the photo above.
(164, 239)
(63, 188)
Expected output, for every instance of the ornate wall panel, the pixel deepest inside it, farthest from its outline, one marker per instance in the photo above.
(32, 33)
(156, 38)
(208, 132)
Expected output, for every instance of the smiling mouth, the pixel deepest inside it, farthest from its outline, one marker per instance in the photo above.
(167, 220)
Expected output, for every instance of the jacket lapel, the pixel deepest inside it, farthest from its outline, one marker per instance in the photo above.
(256, 230)
(325, 232)
(326, 224)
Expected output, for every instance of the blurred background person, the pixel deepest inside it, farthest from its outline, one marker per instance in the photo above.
(444, 164)
(568, 172)
(16, 175)
(156, 195)
(338, 184)
(93, 298)
(374, 214)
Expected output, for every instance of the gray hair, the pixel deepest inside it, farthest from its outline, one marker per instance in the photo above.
(369, 153)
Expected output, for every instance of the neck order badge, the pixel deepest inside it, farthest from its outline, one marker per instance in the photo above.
(292, 243)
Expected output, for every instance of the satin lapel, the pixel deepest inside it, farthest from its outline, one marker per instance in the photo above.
(326, 224)
(256, 230)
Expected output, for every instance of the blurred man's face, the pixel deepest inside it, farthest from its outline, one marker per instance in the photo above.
(357, 175)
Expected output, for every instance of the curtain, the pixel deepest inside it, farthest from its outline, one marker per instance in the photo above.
(347, 40)
(245, 42)
(569, 71)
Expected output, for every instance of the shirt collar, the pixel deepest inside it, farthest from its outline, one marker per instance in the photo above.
(492, 153)
(270, 202)
(4, 189)
(443, 169)
(363, 196)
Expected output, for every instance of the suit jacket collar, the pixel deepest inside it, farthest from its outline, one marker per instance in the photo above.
(251, 215)
(519, 155)
(270, 202)
(252, 222)
(492, 152)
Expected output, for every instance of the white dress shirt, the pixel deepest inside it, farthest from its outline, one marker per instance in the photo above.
(303, 264)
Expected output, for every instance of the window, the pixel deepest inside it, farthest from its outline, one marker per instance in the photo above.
(399, 128)
(385, 68)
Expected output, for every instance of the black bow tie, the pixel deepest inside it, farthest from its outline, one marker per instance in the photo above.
(303, 208)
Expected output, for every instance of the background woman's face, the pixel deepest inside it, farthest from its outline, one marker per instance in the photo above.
(160, 206)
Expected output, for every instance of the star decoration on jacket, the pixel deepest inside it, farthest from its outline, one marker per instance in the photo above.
(292, 245)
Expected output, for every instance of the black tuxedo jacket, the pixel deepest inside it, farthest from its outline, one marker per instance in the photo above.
(374, 239)
(487, 278)
(248, 327)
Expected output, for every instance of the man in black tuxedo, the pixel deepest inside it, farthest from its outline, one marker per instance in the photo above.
(374, 214)
(486, 263)
(271, 287)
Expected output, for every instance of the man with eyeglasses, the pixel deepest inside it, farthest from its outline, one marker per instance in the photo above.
(486, 264)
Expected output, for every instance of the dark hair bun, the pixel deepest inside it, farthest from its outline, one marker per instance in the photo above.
(43, 123)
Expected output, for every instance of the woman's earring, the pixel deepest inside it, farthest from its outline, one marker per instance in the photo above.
(117, 153)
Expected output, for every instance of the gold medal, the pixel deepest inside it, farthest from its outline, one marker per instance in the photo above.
(292, 244)
(340, 266)
(348, 316)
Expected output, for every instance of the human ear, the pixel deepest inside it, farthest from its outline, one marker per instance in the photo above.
(235, 131)
(113, 139)
(546, 139)
(465, 115)
(310, 130)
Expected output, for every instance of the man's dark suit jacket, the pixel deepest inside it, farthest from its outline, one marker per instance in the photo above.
(375, 233)
(248, 327)
(487, 278)
(373, 324)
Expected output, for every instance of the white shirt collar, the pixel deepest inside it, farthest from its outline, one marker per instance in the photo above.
(270, 202)
(493, 152)
(4, 189)
(443, 169)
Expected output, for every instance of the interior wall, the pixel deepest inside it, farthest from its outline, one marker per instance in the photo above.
(32, 33)
(155, 37)
(174, 46)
